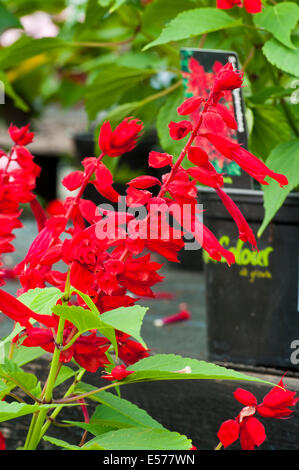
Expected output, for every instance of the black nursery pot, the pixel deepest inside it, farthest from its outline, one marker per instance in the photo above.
(252, 306)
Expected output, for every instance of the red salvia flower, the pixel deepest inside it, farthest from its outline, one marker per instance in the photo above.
(246, 160)
(227, 79)
(179, 130)
(249, 429)
(21, 136)
(117, 373)
(122, 140)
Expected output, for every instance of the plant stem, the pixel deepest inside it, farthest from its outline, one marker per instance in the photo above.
(37, 423)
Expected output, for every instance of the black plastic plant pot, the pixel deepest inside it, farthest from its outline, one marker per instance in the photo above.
(252, 306)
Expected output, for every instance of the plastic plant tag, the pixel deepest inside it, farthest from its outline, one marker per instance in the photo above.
(199, 67)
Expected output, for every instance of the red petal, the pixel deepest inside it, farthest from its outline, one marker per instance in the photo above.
(253, 428)
(213, 122)
(245, 397)
(159, 160)
(73, 180)
(228, 432)
(144, 182)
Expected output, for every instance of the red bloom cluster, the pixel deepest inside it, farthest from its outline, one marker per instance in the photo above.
(108, 253)
(252, 6)
(276, 404)
(18, 174)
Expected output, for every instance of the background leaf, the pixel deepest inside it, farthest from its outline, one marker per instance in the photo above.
(284, 159)
(279, 20)
(139, 439)
(194, 23)
(282, 57)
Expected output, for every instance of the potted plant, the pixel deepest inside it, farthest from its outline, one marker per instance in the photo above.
(82, 312)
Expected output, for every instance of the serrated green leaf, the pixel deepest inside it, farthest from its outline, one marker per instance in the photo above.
(11, 372)
(85, 320)
(283, 57)
(139, 439)
(193, 23)
(117, 412)
(279, 20)
(61, 443)
(167, 367)
(126, 319)
(14, 410)
(283, 159)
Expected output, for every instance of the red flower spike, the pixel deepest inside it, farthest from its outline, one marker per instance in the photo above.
(21, 136)
(190, 105)
(179, 130)
(117, 373)
(122, 140)
(2, 442)
(159, 160)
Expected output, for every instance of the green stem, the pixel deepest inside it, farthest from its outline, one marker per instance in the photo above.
(59, 408)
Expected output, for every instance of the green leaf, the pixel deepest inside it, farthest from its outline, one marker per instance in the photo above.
(7, 19)
(166, 367)
(61, 443)
(139, 439)
(85, 320)
(283, 159)
(14, 410)
(279, 20)
(283, 57)
(27, 47)
(110, 84)
(117, 412)
(65, 373)
(158, 13)
(126, 319)
(40, 300)
(270, 129)
(193, 23)
(9, 91)
(11, 372)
